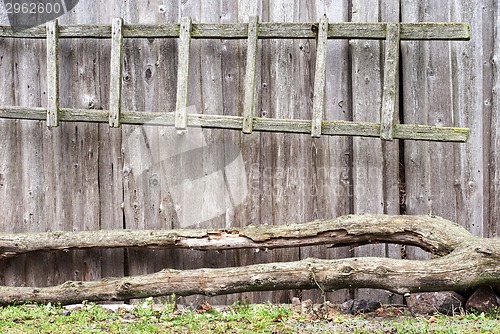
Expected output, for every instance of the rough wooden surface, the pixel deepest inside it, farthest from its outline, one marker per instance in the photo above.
(90, 177)
(52, 73)
(183, 74)
(115, 94)
(470, 99)
(319, 78)
(444, 84)
(268, 30)
(330, 156)
(375, 163)
(229, 122)
(418, 231)
(250, 75)
(391, 83)
(492, 72)
(471, 260)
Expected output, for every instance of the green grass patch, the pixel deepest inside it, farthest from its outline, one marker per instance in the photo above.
(238, 318)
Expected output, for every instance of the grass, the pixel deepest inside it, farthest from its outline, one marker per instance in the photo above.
(238, 318)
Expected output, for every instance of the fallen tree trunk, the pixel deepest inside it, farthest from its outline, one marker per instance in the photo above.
(465, 260)
(431, 233)
(472, 264)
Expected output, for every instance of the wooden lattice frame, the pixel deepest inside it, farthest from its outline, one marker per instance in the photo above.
(387, 129)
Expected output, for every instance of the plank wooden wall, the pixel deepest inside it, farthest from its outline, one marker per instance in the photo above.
(88, 176)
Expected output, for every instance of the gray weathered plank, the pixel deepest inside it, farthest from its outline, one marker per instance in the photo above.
(319, 78)
(279, 203)
(375, 163)
(52, 74)
(493, 93)
(115, 86)
(428, 97)
(391, 83)
(233, 85)
(332, 128)
(183, 74)
(12, 191)
(250, 75)
(470, 106)
(63, 162)
(328, 173)
(219, 196)
(268, 30)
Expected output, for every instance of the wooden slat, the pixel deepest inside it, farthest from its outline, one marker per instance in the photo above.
(52, 74)
(115, 86)
(331, 128)
(183, 74)
(319, 78)
(374, 162)
(431, 95)
(390, 90)
(250, 75)
(268, 30)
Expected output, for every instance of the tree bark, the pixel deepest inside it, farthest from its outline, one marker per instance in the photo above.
(431, 233)
(463, 260)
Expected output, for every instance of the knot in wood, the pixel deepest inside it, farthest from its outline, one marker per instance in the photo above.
(346, 270)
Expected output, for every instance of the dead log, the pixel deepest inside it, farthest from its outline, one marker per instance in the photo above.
(464, 260)
(431, 233)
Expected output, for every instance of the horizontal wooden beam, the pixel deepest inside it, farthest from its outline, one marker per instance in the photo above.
(267, 30)
(330, 128)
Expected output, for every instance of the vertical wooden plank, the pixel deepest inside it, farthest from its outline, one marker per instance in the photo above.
(24, 189)
(149, 70)
(391, 82)
(110, 160)
(221, 157)
(10, 160)
(183, 73)
(469, 109)
(74, 148)
(319, 78)
(250, 75)
(494, 93)
(375, 164)
(166, 73)
(428, 99)
(52, 73)
(328, 174)
(284, 195)
(233, 54)
(15, 90)
(115, 86)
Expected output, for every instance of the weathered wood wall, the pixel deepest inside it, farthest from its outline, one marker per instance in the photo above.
(88, 176)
